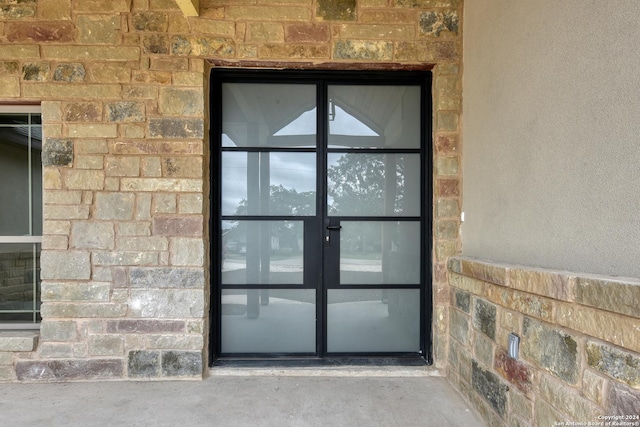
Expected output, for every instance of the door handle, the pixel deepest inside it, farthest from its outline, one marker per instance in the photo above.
(334, 227)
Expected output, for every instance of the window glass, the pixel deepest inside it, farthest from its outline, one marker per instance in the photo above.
(20, 217)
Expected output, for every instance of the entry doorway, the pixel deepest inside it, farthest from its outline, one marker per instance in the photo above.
(321, 198)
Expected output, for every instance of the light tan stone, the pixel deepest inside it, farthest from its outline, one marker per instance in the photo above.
(85, 179)
(9, 86)
(92, 130)
(161, 184)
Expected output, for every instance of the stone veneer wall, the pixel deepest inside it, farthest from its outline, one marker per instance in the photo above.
(123, 88)
(579, 344)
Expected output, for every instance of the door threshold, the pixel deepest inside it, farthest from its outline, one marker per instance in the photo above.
(326, 367)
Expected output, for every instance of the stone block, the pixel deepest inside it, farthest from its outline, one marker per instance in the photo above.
(161, 184)
(57, 227)
(184, 78)
(164, 203)
(616, 363)
(387, 15)
(19, 51)
(552, 349)
(167, 303)
(64, 370)
(73, 72)
(176, 342)
(80, 91)
(377, 31)
(92, 235)
(336, 10)
(190, 204)
(9, 67)
(483, 349)
(612, 295)
(166, 277)
(182, 363)
(489, 386)
(176, 128)
(101, 6)
(178, 225)
(122, 166)
(98, 29)
(447, 187)
(66, 212)
(434, 23)
(114, 72)
(525, 303)
(133, 229)
(84, 179)
(83, 112)
(363, 50)
(546, 415)
(221, 47)
(567, 400)
(125, 258)
(82, 310)
(57, 152)
(151, 77)
(143, 243)
(593, 386)
(105, 345)
(307, 33)
(36, 71)
(17, 11)
(447, 166)
(265, 32)
(446, 229)
(614, 328)
(92, 130)
(158, 147)
(141, 326)
(143, 206)
(18, 341)
(485, 272)
(297, 51)
(60, 330)
(447, 208)
(88, 53)
(484, 318)
(6, 358)
(114, 206)
(540, 282)
(462, 300)
(181, 102)
(622, 400)
(89, 162)
(150, 21)
(187, 252)
(268, 13)
(155, 44)
(143, 364)
(514, 371)
(126, 111)
(459, 326)
(90, 291)
(9, 86)
(54, 9)
(520, 405)
(65, 265)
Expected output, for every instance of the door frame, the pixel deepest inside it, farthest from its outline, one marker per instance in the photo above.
(321, 78)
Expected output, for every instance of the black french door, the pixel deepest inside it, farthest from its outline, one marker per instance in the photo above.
(321, 214)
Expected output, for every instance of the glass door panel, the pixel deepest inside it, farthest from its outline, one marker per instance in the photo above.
(366, 116)
(380, 252)
(268, 183)
(263, 252)
(373, 320)
(268, 321)
(360, 184)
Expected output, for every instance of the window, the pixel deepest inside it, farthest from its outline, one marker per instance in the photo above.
(20, 215)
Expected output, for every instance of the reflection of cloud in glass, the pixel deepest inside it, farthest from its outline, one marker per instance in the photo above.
(291, 170)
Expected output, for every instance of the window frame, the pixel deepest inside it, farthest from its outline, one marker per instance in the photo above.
(24, 239)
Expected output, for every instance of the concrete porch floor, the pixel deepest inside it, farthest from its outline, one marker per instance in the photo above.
(246, 399)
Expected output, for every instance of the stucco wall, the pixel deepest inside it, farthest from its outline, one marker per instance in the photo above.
(551, 109)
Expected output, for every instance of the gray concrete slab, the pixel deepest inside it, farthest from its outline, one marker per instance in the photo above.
(240, 401)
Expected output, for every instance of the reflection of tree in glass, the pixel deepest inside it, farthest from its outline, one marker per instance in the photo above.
(358, 184)
(284, 202)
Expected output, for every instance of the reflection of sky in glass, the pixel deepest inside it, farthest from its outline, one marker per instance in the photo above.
(291, 170)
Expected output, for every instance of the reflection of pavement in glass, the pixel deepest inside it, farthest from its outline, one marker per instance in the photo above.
(354, 264)
(287, 326)
(289, 265)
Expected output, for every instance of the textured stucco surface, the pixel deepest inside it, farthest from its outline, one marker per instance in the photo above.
(552, 134)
